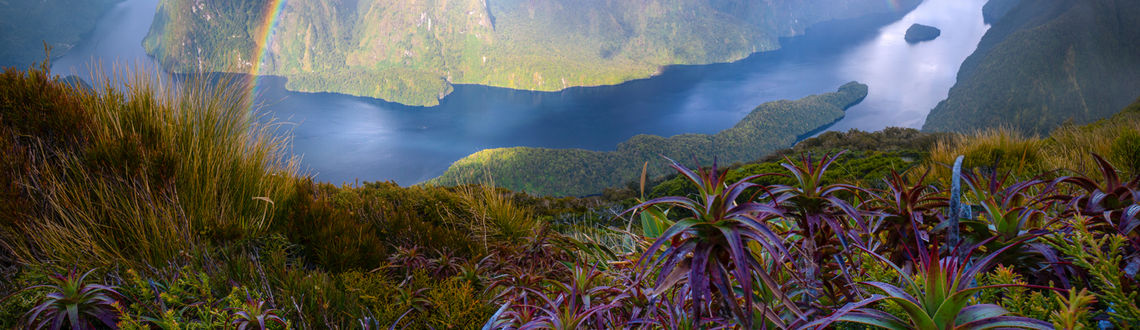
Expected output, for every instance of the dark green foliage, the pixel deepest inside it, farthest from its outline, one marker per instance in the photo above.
(919, 33)
(575, 172)
(1044, 63)
(995, 10)
(866, 167)
(331, 236)
(871, 156)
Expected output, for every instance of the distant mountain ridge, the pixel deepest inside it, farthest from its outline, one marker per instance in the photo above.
(1045, 62)
(412, 51)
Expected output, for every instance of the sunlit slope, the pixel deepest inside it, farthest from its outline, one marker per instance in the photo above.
(576, 172)
(1046, 62)
(413, 51)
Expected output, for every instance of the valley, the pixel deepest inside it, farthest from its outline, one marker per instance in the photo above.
(413, 52)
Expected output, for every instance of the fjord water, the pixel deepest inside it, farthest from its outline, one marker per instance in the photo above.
(344, 138)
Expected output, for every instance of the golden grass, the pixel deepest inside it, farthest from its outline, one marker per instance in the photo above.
(1068, 149)
(166, 168)
(496, 215)
(997, 148)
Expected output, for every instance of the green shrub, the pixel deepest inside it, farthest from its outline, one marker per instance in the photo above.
(331, 236)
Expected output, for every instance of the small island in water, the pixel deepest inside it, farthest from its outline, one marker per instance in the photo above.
(919, 33)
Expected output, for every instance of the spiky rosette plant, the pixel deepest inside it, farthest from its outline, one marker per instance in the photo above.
(824, 220)
(709, 246)
(1111, 206)
(255, 314)
(906, 213)
(584, 300)
(74, 303)
(1011, 212)
(941, 302)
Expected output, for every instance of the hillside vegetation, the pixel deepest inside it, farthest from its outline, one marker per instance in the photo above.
(412, 51)
(26, 25)
(576, 172)
(160, 206)
(1043, 63)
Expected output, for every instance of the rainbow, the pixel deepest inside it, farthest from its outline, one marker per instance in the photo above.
(893, 4)
(263, 38)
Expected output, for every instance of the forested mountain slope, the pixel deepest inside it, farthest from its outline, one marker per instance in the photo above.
(577, 172)
(412, 51)
(25, 25)
(1045, 62)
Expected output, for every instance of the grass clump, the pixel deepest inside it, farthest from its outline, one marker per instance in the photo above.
(136, 169)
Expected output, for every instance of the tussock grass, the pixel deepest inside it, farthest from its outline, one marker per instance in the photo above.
(495, 213)
(162, 167)
(1068, 149)
(1116, 138)
(1000, 149)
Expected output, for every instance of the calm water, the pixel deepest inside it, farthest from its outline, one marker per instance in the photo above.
(342, 138)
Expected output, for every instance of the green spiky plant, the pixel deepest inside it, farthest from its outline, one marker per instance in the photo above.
(823, 221)
(74, 303)
(1011, 211)
(942, 301)
(255, 314)
(907, 212)
(1110, 206)
(708, 246)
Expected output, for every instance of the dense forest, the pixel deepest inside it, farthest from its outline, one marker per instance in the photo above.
(412, 52)
(1043, 63)
(26, 26)
(166, 206)
(576, 172)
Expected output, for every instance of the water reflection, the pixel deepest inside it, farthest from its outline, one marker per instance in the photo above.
(343, 138)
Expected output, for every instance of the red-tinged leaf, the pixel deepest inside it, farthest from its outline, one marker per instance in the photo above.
(1006, 322)
(843, 311)
(892, 290)
(978, 312)
(692, 176)
(674, 230)
(983, 263)
(683, 202)
(876, 318)
(1109, 172)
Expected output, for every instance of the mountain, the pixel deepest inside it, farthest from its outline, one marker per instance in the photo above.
(412, 51)
(1046, 62)
(577, 172)
(25, 25)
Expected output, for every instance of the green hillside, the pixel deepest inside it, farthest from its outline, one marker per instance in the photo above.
(175, 207)
(1045, 62)
(576, 172)
(413, 51)
(25, 25)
